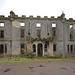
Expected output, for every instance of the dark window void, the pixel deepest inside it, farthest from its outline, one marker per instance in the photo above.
(45, 47)
(54, 47)
(71, 48)
(34, 48)
(1, 49)
(38, 33)
(1, 33)
(54, 31)
(22, 48)
(68, 48)
(22, 33)
(71, 35)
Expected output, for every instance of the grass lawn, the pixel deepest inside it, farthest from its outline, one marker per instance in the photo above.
(2, 61)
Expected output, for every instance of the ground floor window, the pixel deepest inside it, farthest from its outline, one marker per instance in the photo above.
(22, 48)
(54, 47)
(3, 48)
(34, 48)
(45, 47)
(70, 48)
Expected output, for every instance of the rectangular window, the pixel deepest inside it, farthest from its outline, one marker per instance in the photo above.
(38, 25)
(71, 26)
(54, 47)
(53, 29)
(1, 48)
(71, 35)
(1, 33)
(68, 48)
(22, 48)
(53, 25)
(1, 24)
(38, 33)
(71, 48)
(22, 24)
(22, 33)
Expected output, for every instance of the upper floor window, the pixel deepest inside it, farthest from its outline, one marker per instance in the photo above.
(53, 29)
(53, 25)
(22, 33)
(22, 48)
(22, 24)
(71, 26)
(1, 33)
(38, 25)
(38, 33)
(1, 24)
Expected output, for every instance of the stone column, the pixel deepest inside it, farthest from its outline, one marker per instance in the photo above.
(36, 51)
(43, 50)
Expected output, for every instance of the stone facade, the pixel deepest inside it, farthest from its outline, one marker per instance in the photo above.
(17, 30)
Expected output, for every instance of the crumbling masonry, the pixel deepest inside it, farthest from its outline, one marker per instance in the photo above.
(41, 36)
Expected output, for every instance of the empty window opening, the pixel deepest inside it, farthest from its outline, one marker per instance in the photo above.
(71, 26)
(53, 25)
(1, 48)
(71, 48)
(71, 35)
(38, 25)
(47, 33)
(22, 33)
(68, 48)
(54, 33)
(1, 33)
(34, 48)
(38, 33)
(22, 24)
(22, 48)
(45, 47)
(54, 47)
(1, 24)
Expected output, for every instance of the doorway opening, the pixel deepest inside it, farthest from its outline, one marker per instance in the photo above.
(40, 51)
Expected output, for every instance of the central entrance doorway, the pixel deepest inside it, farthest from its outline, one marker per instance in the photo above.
(40, 51)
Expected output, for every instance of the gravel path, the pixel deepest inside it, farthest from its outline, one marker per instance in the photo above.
(39, 68)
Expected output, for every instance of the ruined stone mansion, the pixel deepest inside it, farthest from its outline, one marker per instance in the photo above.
(41, 36)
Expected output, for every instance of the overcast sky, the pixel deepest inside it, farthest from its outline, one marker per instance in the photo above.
(38, 7)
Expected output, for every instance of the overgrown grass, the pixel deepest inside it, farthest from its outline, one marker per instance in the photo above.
(2, 61)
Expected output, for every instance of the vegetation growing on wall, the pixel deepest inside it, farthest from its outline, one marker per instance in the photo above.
(50, 39)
